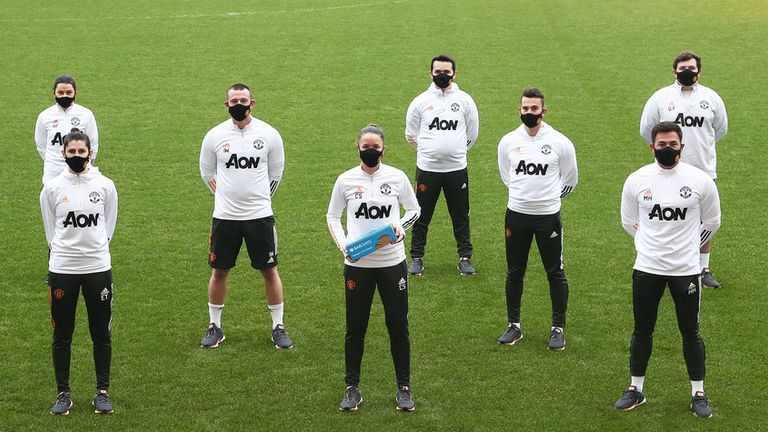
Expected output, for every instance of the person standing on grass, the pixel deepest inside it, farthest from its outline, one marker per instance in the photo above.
(56, 121)
(538, 165)
(701, 112)
(442, 125)
(79, 208)
(372, 193)
(241, 162)
(670, 208)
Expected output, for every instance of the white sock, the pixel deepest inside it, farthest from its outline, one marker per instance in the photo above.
(214, 311)
(554, 327)
(704, 260)
(277, 314)
(697, 386)
(637, 382)
(518, 326)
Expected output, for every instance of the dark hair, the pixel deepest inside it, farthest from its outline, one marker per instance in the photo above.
(77, 135)
(685, 56)
(373, 129)
(533, 92)
(666, 127)
(239, 86)
(442, 58)
(65, 79)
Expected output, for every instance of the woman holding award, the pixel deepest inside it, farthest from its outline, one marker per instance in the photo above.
(373, 193)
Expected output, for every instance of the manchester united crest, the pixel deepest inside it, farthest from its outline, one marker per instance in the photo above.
(258, 144)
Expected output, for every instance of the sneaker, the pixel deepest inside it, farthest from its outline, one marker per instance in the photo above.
(62, 405)
(417, 267)
(511, 335)
(465, 267)
(101, 404)
(708, 280)
(556, 340)
(404, 399)
(630, 399)
(213, 337)
(352, 399)
(700, 405)
(280, 338)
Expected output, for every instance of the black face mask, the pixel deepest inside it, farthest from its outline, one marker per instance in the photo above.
(687, 77)
(238, 112)
(667, 156)
(76, 163)
(531, 120)
(370, 157)
(65, 102)
(442, 80)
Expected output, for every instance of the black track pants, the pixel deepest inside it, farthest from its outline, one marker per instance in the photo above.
(64, 290)
(360, 284)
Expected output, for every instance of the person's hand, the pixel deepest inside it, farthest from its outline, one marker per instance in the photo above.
(399, 232)
(347, 257)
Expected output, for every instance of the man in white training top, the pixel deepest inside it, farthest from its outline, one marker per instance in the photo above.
(442, 124)
(242, 162)
(670, 208)
(701, 113)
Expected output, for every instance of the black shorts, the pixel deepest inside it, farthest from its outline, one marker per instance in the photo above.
(227, 238)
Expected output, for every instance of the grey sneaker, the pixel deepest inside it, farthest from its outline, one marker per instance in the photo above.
(404, 399)
(708, 280)
(213, 337)
(417, 267)
(280, 338)
(465, 267)
(511, 335)
(352, 399)
(556, 340)
(101, 404)
(630, 399)
(700, 405)
(62, 405)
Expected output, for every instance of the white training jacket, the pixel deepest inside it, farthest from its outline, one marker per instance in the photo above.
(443, 125)
(79, 216)
(539, 170)
(372, 201)
(51, 127)
(670, 213)
(243, 168)
(701, 115)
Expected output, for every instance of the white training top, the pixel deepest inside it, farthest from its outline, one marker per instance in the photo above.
(538, 170)
(52, 125)
(443, 125)
(242, 167)
(670, 213)
(79, 216)
(372, 201)
(701, 115)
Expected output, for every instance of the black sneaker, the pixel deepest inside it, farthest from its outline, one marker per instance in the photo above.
(213, 337)
(417, 267)
(700, 405)
(630, 399)
(708, 280)
(556, 340)
(352, 398)
(465, 267)
(62, 405)
(280, 338)
(101, 404)
(511, 335)
(404, 399)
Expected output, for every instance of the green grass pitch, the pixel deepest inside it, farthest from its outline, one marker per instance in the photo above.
(155, 75)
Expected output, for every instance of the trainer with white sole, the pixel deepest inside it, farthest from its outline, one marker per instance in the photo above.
(669, 208)
(372, 194)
